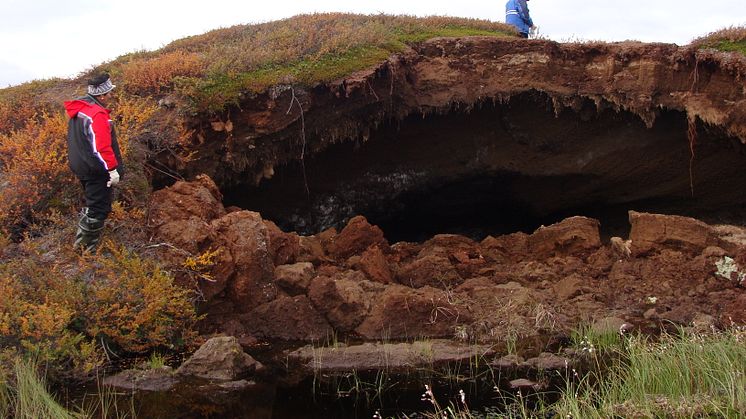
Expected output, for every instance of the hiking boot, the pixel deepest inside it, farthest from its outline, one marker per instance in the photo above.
(89, 232)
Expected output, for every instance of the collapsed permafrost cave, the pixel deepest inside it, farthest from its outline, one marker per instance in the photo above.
(499, 168)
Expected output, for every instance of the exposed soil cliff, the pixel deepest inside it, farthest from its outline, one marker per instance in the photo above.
(482, 137)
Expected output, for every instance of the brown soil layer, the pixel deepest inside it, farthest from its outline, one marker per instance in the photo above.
(271, 285)
(447, 75)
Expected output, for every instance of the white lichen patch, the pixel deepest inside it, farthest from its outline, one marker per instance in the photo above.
(727, 268)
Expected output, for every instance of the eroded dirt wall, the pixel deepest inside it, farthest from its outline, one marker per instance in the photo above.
(439, 76)
(507, 167)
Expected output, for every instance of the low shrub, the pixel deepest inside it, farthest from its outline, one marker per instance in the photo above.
(134, 304)
(37, 312)
(34, 173)
(152, 75)
(732, 39)
(21, 103)
(68, 311)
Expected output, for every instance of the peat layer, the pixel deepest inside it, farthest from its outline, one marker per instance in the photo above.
(490, 139)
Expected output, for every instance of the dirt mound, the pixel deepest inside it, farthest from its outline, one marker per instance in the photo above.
(354, 283)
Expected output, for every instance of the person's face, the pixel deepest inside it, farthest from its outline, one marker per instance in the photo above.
(103, 98)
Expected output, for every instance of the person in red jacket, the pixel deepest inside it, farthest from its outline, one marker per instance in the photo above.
(93, 156)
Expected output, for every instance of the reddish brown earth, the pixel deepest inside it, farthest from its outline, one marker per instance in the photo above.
(458, 124)
(271, 285)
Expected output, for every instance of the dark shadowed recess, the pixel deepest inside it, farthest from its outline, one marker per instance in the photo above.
(503, 168)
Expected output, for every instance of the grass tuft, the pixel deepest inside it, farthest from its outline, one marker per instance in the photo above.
(31, 398)
(679, 376)
(732, 39)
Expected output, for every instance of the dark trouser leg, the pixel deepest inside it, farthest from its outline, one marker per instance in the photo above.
(93, 217)
(523, 35)
(97, 197)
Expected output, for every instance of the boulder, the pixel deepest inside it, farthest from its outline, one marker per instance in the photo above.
(401, 312)
(287, 318)
(200, 198)
(574, 235)
(371, 356)
(431, 270)
(447, 245)
(375, 266)
(219, 359)
(508, 362)
(160, 379)
(505, 248)
(192, 235)
(284, 248)
(526, 384)
(652, 232)
(311, 250)
(357, 236)
(295, 278)
(243, 239)
(569, 287)
(343, 302)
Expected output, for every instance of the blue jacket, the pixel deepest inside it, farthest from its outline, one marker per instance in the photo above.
(516, 14)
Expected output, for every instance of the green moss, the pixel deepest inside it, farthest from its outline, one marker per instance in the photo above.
(220, 90)
(450, 31)
(732, 46)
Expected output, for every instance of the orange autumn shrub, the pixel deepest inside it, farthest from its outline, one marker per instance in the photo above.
(34, 177)
(131, 114)
(68, 311)
(135, 305)
(152, 75)
(37, 309)
(20, 103)
(13, 115)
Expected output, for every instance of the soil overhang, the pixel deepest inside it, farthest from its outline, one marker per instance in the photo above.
(483, 136)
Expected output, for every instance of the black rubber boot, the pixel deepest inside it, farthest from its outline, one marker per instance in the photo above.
(89, 232)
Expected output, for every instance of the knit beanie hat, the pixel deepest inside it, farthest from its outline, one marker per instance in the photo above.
(100, 85)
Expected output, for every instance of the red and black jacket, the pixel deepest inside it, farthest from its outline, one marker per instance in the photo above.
(92, 149)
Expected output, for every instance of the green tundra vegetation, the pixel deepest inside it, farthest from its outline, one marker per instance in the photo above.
(731, 39)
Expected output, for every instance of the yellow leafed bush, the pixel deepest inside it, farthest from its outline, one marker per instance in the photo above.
(34, 172)
(151, 75)
(38, 307)
(64, 313)
(136, 305)
(131, 113)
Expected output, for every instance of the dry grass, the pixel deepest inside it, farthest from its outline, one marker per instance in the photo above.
(732, 39)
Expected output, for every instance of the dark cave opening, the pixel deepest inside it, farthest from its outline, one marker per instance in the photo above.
(507, 167)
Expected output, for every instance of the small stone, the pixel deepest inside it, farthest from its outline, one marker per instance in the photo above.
(220, 359)
(525, 384)
(508, 362)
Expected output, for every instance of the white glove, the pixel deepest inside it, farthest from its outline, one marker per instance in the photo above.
(113, 178)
